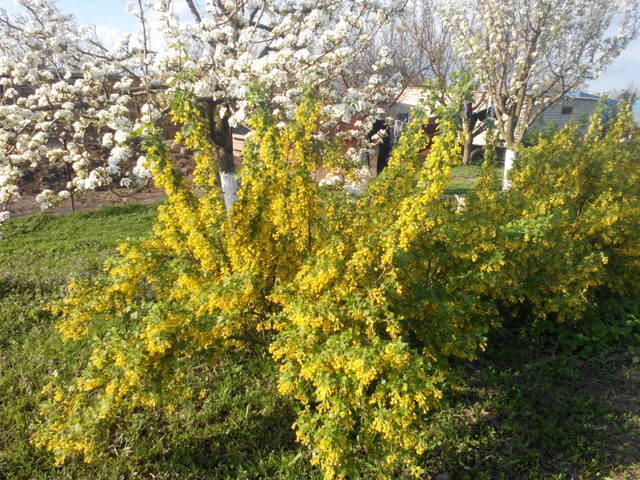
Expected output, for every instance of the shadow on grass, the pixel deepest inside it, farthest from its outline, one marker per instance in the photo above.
(255, 443)
(23, 305)
(242, 429)
(530, 414)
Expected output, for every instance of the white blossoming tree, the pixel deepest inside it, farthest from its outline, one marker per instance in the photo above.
(281, 45)
(68, 102)
(529, 53)
(419, 42)
(66, 105)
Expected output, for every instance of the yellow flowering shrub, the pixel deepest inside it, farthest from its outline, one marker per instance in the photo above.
(198, 286)
(362, 301)
(572, 219)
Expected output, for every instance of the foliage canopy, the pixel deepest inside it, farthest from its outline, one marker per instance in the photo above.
(364, 302)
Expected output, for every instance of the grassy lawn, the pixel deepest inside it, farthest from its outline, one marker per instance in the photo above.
(242, 429)
(526, 411)
(465, 177)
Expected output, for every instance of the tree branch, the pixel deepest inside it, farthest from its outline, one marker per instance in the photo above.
(194, 11)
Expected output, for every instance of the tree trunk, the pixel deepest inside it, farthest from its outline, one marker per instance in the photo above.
(70, 182)
(510, 133)
(228, 178)
(466, 148)
(221, 135)
(509, 158)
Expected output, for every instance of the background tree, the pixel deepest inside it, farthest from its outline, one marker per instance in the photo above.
(626, 95)
(418, 43)
(66, 105)
(69, 100)
(528, 54)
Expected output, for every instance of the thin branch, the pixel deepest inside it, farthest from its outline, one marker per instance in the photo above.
(194, 11)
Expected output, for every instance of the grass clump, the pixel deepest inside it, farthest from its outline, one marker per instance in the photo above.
(241, 430)
(464, 178)
(536, 411)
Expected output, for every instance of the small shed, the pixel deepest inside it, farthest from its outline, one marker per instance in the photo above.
(572, 107)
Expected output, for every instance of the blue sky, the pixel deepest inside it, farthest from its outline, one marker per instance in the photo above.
(94, 12)
(111, 19)
(625, 70)
(91, 12)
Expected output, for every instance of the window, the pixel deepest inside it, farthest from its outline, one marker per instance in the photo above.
(566, 110)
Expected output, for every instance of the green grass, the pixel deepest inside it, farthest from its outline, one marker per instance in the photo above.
(39, 253)
(526, 412)
(535, 414)
(464, 178)
(241, 430)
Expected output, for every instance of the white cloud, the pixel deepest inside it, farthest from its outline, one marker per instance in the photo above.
(622, 72)
(108, 34)
(158, 42)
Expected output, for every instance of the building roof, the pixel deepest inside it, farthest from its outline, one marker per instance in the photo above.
(582, 95)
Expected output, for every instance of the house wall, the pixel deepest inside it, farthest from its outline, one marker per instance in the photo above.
(581, 110)
(406, 102)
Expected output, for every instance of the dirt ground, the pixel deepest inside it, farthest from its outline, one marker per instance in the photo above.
(91, 200)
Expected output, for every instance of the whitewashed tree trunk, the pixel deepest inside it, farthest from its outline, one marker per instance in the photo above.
(230, 185)
(509, 158)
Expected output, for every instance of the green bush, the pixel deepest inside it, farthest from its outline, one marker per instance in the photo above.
(363, 302)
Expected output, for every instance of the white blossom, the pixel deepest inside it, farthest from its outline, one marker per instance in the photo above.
(80, 103)
(529, 53)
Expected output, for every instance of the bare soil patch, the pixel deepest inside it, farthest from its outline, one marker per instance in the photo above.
(90, 200)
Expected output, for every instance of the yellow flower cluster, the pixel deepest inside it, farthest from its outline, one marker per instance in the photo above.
(362, 302)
